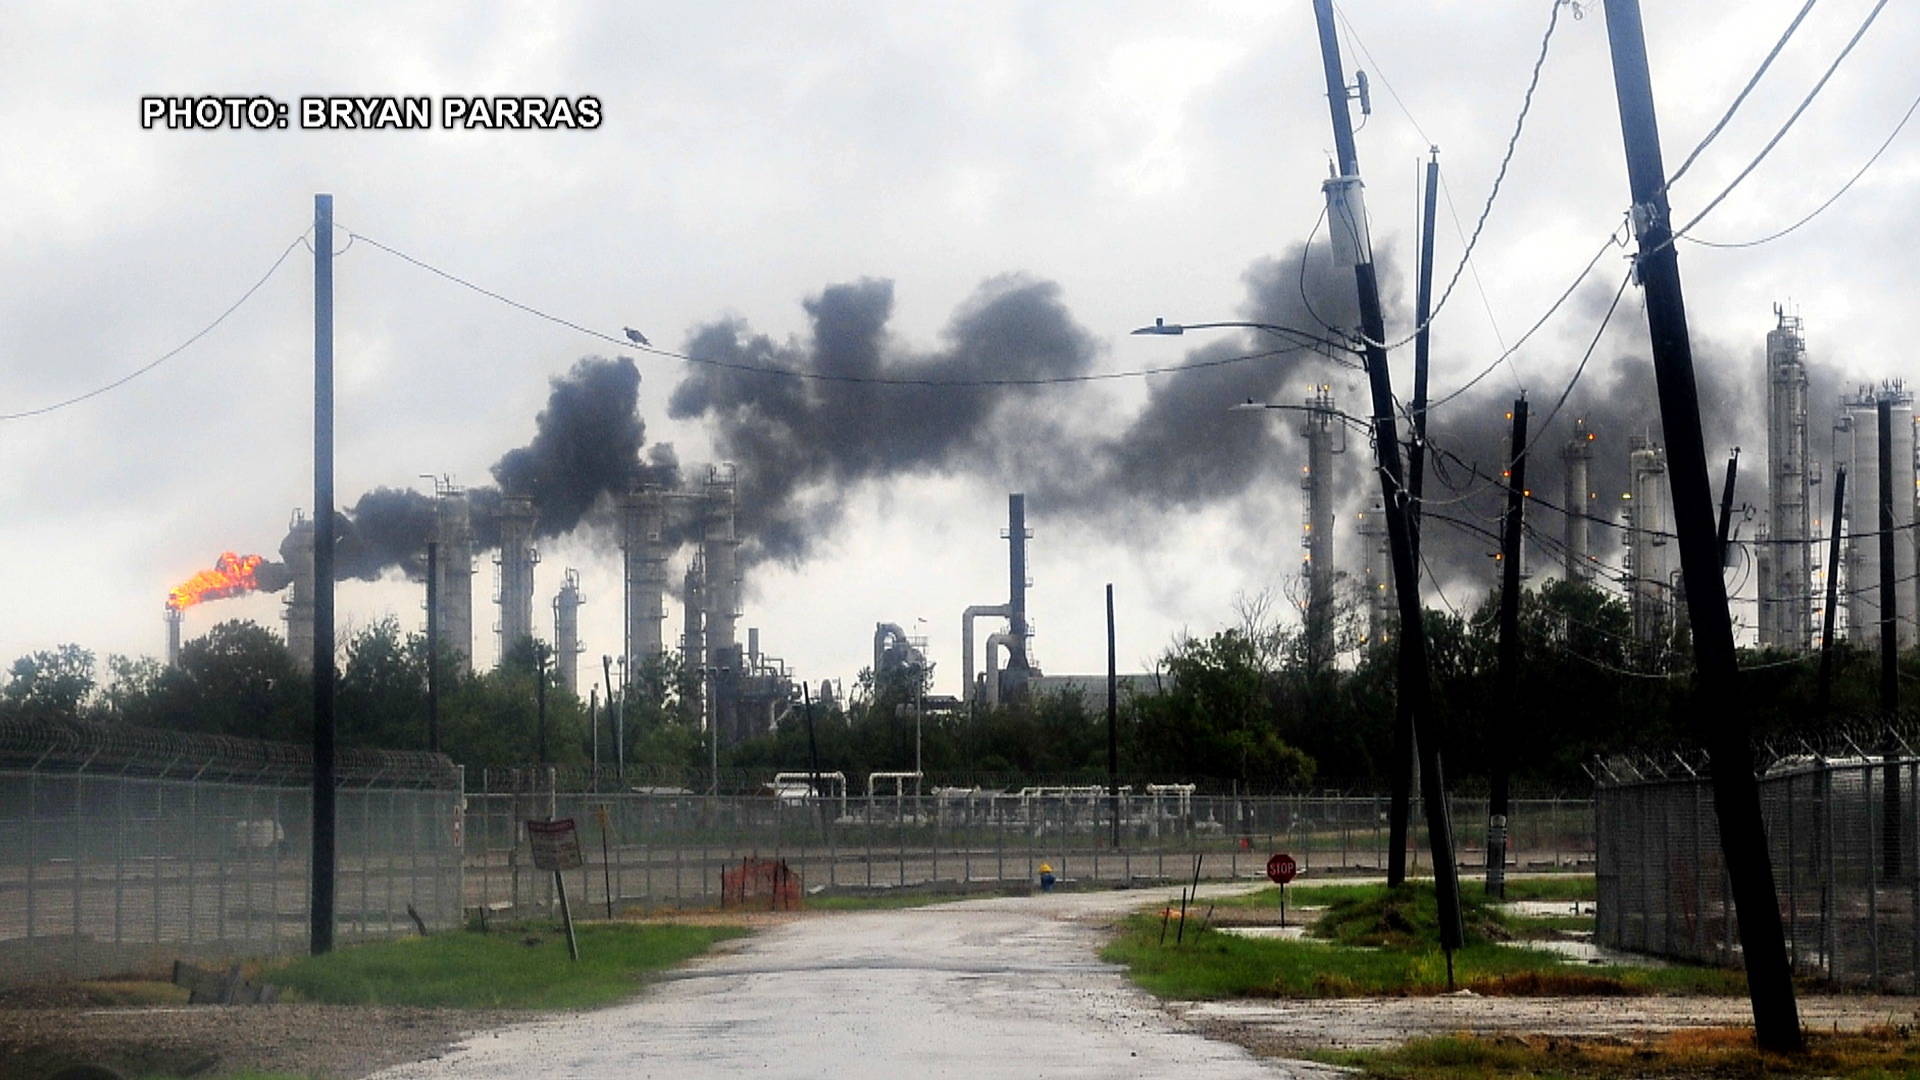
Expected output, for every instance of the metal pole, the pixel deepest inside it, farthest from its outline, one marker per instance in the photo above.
(433, 647)
(1509, 708)
(1736, 794)
(540, 696)
(1414, 675)
(1113, 722)
(1833, 590)
(320, 924)
(1726, 505)
(1401, 781)
(1889, 652)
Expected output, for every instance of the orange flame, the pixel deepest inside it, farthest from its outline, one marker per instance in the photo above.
(231, 575)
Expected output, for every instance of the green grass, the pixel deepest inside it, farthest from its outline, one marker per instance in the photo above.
(1568, 887)
(1211, 964)
(526, 968)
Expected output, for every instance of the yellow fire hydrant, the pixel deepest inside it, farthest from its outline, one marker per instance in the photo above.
(1046, 877)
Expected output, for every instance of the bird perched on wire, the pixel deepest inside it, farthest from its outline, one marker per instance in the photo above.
(637, 337)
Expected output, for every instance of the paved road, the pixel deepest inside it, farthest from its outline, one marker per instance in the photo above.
(985, 988)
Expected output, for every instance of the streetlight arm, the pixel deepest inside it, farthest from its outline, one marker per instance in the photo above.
(1163, 328)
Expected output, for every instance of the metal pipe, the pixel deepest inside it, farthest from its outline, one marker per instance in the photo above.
(966, 643)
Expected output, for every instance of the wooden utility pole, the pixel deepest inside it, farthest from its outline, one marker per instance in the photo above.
(320, 902)
(1736, 794)
(1348, 229)
(1889, 652)
(1833, 590)
(1401, 779)
(1500, 756)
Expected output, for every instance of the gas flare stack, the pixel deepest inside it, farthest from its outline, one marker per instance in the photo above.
(174, 618)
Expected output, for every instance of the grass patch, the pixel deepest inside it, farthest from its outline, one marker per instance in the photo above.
(1405, 917)
(524, 968)
(1568, 887)
(1694, 1052)
(1210, 964)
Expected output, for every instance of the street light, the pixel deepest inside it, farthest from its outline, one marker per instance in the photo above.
(1163, 328)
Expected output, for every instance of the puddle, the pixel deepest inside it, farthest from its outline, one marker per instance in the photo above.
(1534, 909)
(1285, 933)
(1587, 952)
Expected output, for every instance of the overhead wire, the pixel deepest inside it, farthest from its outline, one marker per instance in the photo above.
(1831, 199)
(1741, 97)
(170, 353)
(824, 376)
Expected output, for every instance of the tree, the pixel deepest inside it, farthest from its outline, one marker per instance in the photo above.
(50, 684)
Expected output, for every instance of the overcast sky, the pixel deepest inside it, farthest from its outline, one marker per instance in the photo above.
(1120, 161)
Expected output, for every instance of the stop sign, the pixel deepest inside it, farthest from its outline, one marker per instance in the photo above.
(1281, 868)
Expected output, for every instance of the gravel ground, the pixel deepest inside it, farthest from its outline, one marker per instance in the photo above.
(318, 1040)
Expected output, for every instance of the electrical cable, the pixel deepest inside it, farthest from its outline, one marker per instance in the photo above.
(171, 353)
(1513, 141)
(1740, 98)
(821, 376)
(1831, 199)
(1788, 126)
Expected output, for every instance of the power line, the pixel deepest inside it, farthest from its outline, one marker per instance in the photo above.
(171, 353)
(1831, 199)
(1752, 82)
(821, 376)
(1784, 128)
(1513, 141)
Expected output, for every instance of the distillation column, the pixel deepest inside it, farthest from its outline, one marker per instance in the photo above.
(645, 548)
(1376, 574)
(566, 633)
(297, 551)
(1786, 596)
(1649, 588)
(453, 531)
(1317, 481)
(516, 561)
(1577, 502)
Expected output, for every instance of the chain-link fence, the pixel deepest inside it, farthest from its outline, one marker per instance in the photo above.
(1843, 835)
(121, 850)
(668, 848)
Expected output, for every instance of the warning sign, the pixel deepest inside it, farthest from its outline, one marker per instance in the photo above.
(556, 845)
(1281, 869)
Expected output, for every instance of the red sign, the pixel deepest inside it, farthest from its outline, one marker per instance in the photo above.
(1281, 869)
(556, 846)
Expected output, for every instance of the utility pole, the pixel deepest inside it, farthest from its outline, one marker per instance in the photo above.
(320, 903)
(1347, 227)
(606, 679)
(1726, 506)
(1501, 755)
(1113, 723)
(540, 694)
(433, 647)
(1736, 794)
(1833, 590)
(1889, 652)
(1400, 809)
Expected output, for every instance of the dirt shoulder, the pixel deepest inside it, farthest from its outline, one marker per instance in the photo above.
(1284, 1028)
(334, 1041)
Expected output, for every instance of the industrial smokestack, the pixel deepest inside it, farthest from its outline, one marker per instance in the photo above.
(297, 551)
(720, 553)
(453, 531)
(1319, 430)
(1017, 581)
(1576, 495)
(174, 617)
(516, 561)
(645, 550)
(693, 640)
(566, 632)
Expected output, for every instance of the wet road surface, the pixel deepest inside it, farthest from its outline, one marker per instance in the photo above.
(983, 988)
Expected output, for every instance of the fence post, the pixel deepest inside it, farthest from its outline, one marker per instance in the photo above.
(120, 856)
(79, 861)
(193, 841)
